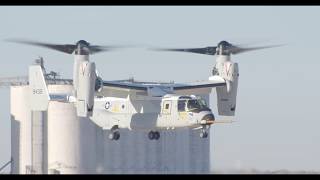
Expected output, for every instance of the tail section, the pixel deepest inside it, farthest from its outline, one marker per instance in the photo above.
(39, 96)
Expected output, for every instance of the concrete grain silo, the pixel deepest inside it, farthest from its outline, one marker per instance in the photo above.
(63, 135)
(72, 140)
(20, 130)
(74, 145)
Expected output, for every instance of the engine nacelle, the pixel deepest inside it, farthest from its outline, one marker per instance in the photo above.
(227, 95)
(86, 89)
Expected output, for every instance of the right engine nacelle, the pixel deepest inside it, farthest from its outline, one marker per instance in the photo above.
(227, 95)
(86, 89)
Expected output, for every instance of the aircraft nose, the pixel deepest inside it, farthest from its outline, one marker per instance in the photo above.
(208, 119)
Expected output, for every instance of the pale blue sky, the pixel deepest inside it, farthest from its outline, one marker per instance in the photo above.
(277, 110)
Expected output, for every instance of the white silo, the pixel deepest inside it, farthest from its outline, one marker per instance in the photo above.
(76, 145)
(71, 139)
(20, 130)
(63, 135)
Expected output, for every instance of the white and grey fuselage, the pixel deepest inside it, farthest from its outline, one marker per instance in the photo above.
(151, 113)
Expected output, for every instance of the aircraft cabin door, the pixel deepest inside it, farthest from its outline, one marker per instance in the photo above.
(166, 112)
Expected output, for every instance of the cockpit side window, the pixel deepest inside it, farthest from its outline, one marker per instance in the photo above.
(181, 105)
(182, 101)
(186, 103)
(193, 104)
(203, 102)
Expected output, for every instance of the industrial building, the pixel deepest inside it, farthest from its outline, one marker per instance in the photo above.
(68, 144)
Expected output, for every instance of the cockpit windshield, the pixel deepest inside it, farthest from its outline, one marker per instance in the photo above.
(192, 104)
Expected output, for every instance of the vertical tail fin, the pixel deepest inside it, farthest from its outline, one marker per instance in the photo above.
(39, 96)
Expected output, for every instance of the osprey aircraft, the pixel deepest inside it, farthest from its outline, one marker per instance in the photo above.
(146, 106)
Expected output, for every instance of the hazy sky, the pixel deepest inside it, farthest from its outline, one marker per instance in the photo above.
(277, 109)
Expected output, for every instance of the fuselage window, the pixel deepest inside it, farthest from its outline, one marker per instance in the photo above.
(181, 105)
(166, 107)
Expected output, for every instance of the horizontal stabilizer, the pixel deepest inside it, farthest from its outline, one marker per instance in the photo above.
(62, 98)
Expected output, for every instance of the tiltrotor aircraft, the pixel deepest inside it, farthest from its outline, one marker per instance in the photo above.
(147, 106)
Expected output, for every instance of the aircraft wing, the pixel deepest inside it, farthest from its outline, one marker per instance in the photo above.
(141, 88)
(160, 89)
(123, 85)
(197, 85)
(200, 87)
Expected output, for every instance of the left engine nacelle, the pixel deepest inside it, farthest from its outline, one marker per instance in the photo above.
(86, 89)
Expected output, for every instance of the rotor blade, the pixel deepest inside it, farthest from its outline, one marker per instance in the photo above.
(238, 50)
(206, 50)
(66, 48)
(96, 49)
